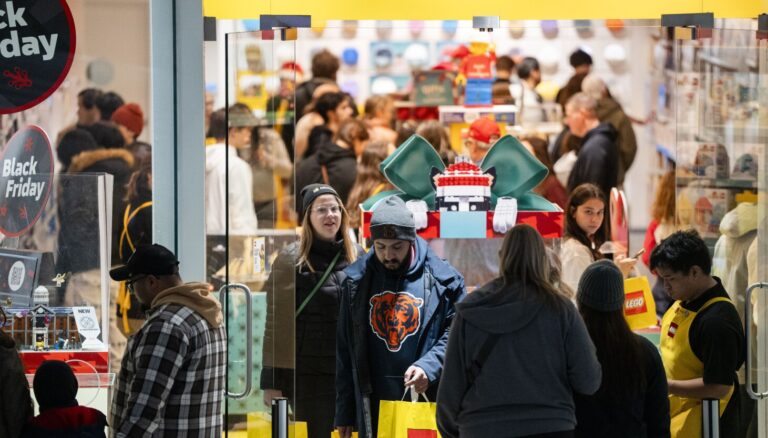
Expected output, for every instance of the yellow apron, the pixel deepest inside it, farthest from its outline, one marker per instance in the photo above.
(680, 363)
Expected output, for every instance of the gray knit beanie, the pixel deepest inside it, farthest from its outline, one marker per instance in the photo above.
(601, 287)
(392, 220)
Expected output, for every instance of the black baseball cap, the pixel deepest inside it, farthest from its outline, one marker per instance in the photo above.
(146, 260)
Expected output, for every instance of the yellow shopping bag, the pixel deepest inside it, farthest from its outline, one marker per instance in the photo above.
(407, 419)
(335, 434)
(639, 306)
(260, 426)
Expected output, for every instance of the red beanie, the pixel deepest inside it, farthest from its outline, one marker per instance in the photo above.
(131, 116)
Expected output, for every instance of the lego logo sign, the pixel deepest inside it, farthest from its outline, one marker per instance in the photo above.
(37, 45)
(26, 175)
(634, 303)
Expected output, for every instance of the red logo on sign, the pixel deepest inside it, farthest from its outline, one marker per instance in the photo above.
(634, 303)
(422, 433)
(26, 175)
(672, 330)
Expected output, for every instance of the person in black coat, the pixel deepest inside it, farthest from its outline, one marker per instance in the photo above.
(633, 398)
(78, 250)
(323, 250)
(135, 230)
(78, 255)
(334, 108)
(325, 65)
(15, 403)
(598, 158)
(136, 219)
(335, 163)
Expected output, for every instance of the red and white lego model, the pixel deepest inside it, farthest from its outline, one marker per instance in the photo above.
(463, 186)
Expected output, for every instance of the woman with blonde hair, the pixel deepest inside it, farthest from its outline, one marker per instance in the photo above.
(303, 295)
(379, 112)
(370, 181)
(436, 134)
(517, 352)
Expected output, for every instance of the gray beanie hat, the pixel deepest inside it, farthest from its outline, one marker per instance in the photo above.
(392, 220)
(601, 287)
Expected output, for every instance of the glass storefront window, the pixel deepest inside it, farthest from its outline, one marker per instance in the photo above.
(98, 121)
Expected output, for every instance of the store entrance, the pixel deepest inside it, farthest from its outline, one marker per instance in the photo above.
(250, 223)
(700, 101)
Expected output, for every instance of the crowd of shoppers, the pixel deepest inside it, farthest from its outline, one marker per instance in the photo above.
(540, 347)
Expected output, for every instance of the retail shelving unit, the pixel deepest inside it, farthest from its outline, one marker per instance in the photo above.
(712, 83)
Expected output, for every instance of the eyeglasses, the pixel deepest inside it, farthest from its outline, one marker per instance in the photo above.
(130, 283)
(325, 211)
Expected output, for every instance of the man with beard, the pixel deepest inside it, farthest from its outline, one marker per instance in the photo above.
(397, 304)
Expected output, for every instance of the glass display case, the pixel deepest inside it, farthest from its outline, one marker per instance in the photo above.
(54, 282)
(715, 86)
(719, 138)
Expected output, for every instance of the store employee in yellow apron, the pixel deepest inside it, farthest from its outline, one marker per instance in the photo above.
(702, 339)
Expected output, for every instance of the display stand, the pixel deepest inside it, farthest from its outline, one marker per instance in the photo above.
(548, 224)
(466, 200)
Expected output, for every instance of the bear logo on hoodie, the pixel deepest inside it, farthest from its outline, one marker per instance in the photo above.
(394, 317)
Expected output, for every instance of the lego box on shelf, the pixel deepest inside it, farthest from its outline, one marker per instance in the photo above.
(703, 208)
(468, 200)
(703, 160)
(746, 161)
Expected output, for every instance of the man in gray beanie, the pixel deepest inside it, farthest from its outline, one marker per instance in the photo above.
(397, 304)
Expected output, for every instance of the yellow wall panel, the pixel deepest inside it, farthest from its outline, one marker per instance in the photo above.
(322, 10)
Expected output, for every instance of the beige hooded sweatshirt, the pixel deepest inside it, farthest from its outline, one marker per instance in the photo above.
(197, 297)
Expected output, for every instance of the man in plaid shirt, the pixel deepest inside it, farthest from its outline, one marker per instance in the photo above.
(172, 378)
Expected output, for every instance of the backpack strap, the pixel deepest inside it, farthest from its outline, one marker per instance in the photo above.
(125, 236)
(477, 363)
(324, 171)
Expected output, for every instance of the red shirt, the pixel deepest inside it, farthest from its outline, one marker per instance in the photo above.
(650, 241)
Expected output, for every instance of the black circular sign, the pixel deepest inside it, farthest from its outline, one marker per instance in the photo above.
(26, 175)
(37, 45)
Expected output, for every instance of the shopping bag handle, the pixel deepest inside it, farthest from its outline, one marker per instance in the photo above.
(414, 395)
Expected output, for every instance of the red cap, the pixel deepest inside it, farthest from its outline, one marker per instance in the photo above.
(460, 52)
(289, 69)
(443, 66)
(482, 129)
(131, 116)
